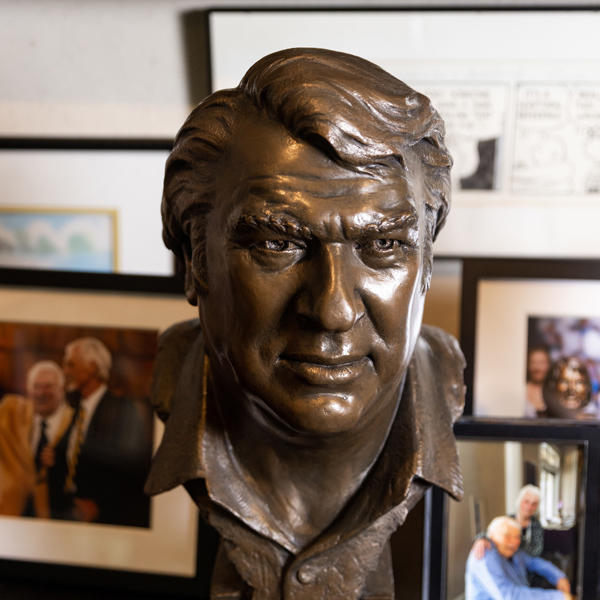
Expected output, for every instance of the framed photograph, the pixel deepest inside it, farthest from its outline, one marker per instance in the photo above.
(530, 332)
(130, 542)
(545, 475)
(522, 112)
(85, 206)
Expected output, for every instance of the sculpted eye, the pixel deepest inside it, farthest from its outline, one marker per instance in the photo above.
(380, 253)
(277, 254)
(382, 245)
(385, 244)
(277, 245)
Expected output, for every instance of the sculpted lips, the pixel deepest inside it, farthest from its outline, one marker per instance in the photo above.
(326, 370)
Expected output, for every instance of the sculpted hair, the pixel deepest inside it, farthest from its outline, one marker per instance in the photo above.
(356, 113)
(94, 351)
(45, 365)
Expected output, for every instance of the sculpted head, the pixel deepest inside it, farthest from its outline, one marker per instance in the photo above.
(46, 387)
(302, 206)
(567, 388)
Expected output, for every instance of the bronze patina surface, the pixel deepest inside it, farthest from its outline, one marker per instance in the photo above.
(307, 410)
(567, 389)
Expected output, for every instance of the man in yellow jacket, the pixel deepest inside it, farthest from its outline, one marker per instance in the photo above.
(29, 429)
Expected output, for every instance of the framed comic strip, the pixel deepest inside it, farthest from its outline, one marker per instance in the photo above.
(520, 320)
(90, 207)
(498, 459)
(522, 112)
(147, 545)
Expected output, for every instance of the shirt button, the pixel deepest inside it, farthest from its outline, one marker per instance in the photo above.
(306, 574)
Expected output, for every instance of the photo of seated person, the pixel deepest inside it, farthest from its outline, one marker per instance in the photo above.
(29, 429)
(532, 532)
(503, 571)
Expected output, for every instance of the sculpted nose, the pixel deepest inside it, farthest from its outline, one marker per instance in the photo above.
(330, 298)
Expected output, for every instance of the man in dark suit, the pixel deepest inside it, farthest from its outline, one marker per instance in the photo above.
(107, 453)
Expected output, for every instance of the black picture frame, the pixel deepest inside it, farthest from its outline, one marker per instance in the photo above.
(476, 270)
(167, 284)
(586, 436)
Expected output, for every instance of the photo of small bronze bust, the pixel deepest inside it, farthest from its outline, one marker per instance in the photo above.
(567, 390)
(307, 410)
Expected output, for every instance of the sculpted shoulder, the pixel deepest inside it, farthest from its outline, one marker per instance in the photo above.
(174, 345)
(449, 362)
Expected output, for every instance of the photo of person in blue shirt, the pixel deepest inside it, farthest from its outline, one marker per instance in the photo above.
(503, 572)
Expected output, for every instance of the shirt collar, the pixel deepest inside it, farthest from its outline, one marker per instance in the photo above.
(417, 446)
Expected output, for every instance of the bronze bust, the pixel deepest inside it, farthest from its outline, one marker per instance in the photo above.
(567, 390)
(307, 411)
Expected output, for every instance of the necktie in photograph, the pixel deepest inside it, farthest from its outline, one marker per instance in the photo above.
(73, 458)
(41, 445)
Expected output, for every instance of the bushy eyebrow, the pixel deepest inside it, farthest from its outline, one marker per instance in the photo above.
(280, 224)
(285, 225)
(404, 220)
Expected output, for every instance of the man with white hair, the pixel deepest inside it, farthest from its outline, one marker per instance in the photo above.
(503, 571)
(107, 454)
(30, 428)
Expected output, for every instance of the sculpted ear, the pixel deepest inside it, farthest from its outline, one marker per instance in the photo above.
(189, 280)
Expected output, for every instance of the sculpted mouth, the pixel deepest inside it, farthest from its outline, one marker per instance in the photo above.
(570, 401)
(326, 370)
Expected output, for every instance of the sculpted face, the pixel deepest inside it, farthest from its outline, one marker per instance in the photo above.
(572, 387)
(45, 392)
(570, 393)
(314, 275)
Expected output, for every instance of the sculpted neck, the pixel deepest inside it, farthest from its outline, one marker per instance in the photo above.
(305, 479)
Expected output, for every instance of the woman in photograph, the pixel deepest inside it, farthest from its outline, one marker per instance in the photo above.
(538, 365)
(532, 532)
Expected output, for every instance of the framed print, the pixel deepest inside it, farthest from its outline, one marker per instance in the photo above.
(62, 240)
(521, 320)
(136, 544)
(506, 465)
(91, 207)
(522, 112)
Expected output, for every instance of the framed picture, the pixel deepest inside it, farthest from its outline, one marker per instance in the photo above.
(498, 460)
(91, 207)
(522, 112)
(61, 240)
(136, 543)
(525, 323)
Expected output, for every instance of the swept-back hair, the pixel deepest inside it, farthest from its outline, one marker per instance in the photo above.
(95, 352)
(353, 111)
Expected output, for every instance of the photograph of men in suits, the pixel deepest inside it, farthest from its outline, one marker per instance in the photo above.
(29, 429)
(106, 456)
